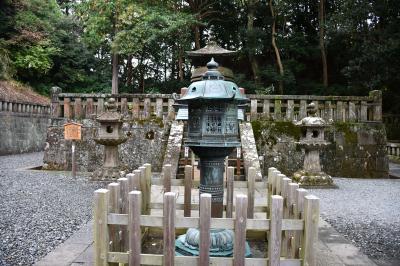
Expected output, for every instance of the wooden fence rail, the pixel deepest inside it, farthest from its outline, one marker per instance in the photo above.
(122, 218)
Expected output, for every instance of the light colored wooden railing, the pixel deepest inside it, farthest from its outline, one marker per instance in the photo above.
(122, 214)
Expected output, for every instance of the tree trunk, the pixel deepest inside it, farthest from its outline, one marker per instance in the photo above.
(277, 54)
(129, 70)
(114, 84)
(197, 37)
(322, 42)
(180, 64)
(251, 41)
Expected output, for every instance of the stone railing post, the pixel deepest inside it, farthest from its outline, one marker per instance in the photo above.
(55, 102)
(376, 96)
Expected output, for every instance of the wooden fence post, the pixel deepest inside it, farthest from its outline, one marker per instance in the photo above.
(273, 181)
(137, 179)
(278, 179)
(310, 237)
(205, 222)
(135, 233)
(251, 179)
(167, 177)
(148, 175)
(143, 188)
(169, 228)
(284, 193)
(239, 253)
(133, 184)
(188, 191)
(291, 205)
(124, 190)
(269, 180)
(300, 194)
(275, 231)
(101, 238)
(114, 207)
(229, 192)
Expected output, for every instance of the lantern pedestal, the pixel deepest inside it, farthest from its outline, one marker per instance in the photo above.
(221, 243)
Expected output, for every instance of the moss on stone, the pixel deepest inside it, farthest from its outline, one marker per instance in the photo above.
(151, 120)
(268, 132)
(346, 128)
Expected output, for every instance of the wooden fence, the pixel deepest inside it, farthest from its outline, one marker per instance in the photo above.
(122, 218)
(276, 107)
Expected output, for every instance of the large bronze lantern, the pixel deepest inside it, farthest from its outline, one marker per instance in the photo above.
(213, 133)
(213, 104)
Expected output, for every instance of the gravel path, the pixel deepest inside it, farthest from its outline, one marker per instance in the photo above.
(366, 211)
(38, 210)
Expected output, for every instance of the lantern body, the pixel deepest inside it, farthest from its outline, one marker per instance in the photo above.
(214, 124)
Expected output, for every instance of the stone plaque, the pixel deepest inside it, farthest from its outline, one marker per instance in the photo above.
(72, 131)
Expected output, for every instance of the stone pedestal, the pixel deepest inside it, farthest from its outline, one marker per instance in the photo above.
(312, 141)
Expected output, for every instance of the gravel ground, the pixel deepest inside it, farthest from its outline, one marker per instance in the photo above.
(38, 209)
(367, 212)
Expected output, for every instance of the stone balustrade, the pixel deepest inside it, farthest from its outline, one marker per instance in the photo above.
(24, 107)
(393, 149)
(139, 106)
(276, 107)
(330, 108)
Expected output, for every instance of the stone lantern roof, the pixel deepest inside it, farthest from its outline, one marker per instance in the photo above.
(111, 115)
(312, 120)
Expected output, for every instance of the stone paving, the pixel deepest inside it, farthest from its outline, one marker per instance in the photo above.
(38, 209)
(366, 212)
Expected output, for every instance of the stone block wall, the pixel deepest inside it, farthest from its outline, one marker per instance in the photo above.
(22, 132)
(136, 151)
(357, 149)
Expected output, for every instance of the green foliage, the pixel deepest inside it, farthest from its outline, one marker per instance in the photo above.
(70, 43)
(35, 59)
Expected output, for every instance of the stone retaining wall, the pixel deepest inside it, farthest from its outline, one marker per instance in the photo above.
(356, 150)
(138, 149)
(22, 132)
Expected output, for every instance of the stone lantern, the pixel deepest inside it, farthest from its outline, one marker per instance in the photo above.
(110, 134)
(212, 135)
(312, 140)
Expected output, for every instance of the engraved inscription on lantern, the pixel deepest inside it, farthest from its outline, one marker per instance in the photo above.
(214, 124)
(194, 121)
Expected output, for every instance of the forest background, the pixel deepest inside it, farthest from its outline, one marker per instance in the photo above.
(335, 47)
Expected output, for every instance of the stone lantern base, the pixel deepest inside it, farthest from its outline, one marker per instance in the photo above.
(221, 243)
(305, 178)
(107, 174)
